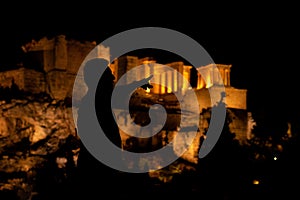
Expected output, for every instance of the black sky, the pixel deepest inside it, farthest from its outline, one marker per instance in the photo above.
(261, 42)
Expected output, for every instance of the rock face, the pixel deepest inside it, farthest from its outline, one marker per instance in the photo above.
(35, 122)
(34, 134)
(39, 146)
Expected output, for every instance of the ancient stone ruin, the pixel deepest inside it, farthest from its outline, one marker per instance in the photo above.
(37, 125)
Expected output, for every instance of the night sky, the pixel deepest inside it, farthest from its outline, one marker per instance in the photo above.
(260, 42)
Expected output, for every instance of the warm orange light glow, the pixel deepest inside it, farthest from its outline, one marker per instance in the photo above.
(163, 81)
(209, 81)
(255, 182)
(148, 61)
(169, 81)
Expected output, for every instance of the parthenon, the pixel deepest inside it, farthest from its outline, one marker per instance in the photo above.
(51, 66)
(206, 77)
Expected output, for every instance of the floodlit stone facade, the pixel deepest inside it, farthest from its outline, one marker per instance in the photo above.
(51, 65)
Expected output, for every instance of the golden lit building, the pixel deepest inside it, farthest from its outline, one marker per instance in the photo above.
(169, 79)
(201, 79)
(51, 66)
(204, 80)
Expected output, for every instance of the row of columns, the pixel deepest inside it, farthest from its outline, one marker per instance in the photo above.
(214, 74)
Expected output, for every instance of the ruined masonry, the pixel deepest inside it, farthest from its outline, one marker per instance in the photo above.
(51, 65)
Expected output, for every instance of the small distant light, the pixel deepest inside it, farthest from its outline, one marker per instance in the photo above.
(275, 158)
(255, 182)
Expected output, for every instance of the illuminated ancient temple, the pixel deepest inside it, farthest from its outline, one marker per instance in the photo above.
(201, 81)
(51, 66)
(210, 76)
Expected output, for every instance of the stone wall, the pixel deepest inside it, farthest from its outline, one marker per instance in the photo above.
(28, 80)
(235, 98)
(8, 78)
(60, 60)
(34, 81)
(77, 52)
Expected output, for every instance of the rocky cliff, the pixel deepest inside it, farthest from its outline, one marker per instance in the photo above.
(34, 134)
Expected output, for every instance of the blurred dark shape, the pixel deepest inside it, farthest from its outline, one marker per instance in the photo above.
(96, 179)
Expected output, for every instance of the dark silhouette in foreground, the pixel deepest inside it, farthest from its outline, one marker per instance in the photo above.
(95, 178)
